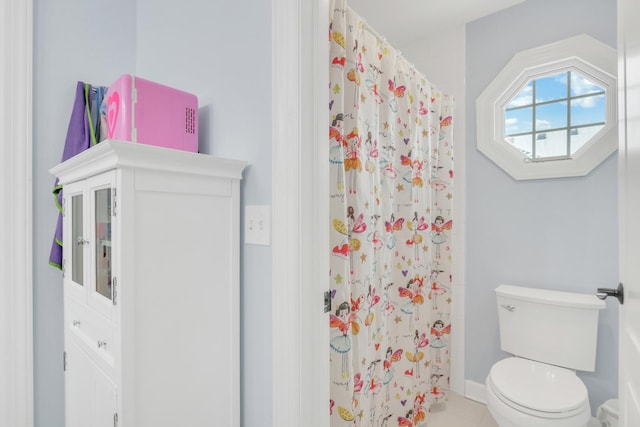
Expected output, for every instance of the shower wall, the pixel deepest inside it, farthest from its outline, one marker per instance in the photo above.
(559, 233)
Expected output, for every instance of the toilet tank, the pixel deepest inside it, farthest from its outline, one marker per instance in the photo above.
(558, 328)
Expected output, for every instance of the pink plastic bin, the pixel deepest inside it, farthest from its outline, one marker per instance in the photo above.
(145, 112)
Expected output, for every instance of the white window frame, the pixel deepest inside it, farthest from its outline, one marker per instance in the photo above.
(581, 54)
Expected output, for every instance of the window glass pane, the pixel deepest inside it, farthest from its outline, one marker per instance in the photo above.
(581, 86)
(551, 116)
(551, 88)
(103, 242)
(523, 143)
(524, 97)
(580, 136)
(588, 110)
(518, 121)
(551, 144)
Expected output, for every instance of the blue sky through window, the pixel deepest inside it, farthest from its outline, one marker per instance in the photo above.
(558, 106)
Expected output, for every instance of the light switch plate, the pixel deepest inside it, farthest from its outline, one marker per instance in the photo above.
(257, 225)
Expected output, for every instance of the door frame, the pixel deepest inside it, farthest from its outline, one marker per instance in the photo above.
(300, 214)
(16, 222)
(628, 352)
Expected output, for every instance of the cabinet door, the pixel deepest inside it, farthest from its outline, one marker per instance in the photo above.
(76, 241)
(77, 386)
(90, 394)
(101, 286)
(104, 404)
(88, 242)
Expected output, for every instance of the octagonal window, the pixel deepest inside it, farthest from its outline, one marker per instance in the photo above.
(551, 111)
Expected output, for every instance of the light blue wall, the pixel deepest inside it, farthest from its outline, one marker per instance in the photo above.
(216, 50)
(559, 233)
(74, 41)
(221, 51)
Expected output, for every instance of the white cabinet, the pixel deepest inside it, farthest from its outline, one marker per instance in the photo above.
(151, 287)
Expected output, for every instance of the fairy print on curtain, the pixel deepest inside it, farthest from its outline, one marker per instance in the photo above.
(391, 188)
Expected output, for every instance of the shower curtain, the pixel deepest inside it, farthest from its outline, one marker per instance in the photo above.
(391, 175)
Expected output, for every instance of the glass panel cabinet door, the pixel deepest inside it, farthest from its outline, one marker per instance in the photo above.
(99, 259)
(77, 240)
(102, 222)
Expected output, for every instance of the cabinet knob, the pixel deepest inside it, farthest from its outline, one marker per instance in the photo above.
(102, 344)
(82, 241)
(76, 323)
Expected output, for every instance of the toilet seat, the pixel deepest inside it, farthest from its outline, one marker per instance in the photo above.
(538, 389)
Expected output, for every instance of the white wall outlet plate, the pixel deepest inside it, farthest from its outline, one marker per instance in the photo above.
(257, 225)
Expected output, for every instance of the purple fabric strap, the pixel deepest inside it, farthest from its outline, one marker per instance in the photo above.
(78, 139)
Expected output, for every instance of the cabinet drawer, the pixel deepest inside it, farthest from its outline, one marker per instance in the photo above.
(93, 330)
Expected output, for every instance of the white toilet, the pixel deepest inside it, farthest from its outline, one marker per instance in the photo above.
(551, 335)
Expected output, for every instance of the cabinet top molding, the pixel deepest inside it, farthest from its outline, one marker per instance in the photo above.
(112, 154)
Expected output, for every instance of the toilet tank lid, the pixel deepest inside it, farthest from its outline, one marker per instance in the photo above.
(547, 296)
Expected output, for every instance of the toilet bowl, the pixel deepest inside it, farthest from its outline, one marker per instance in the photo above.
(551, 334)
(526, 393)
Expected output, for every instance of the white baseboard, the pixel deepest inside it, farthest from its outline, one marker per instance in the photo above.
(475, 391)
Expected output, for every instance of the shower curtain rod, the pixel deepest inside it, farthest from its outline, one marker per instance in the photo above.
(379, 36)
(369, 28)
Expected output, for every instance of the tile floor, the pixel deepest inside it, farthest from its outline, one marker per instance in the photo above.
(460, 412)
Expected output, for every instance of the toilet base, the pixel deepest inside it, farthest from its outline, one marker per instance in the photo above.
(507, 416)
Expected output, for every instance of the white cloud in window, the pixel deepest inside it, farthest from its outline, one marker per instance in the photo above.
(511, 125)
(562, 78)
(582, 86)
(589, 102)
(523, 98)
(543, 124)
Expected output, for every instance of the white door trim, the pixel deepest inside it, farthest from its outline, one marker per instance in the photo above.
(285, 216)
(16, 289)
(300, 214)
(628, 206)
